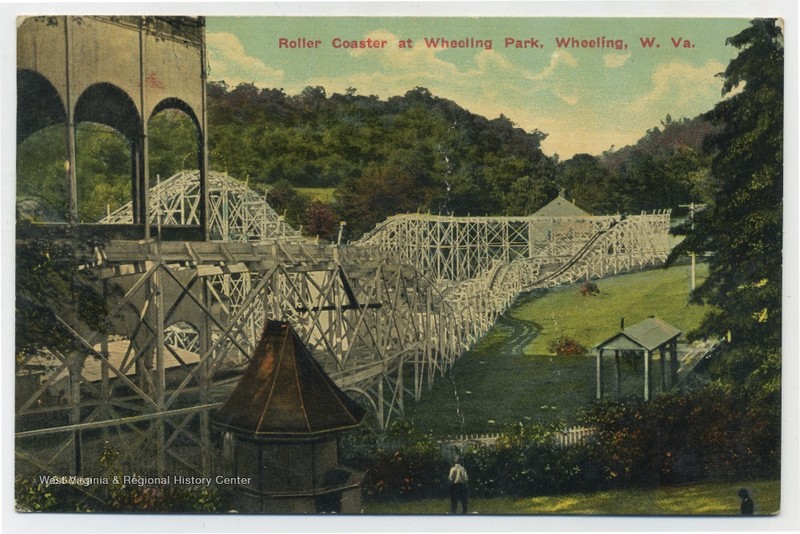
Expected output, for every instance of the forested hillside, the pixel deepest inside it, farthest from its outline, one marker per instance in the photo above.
(415, 152)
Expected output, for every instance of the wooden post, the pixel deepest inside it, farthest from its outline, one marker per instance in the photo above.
(663, 356)
(104, 383)
(400, 392)
(69, 164)
(144, 158)
(204, 217)
(74, 368)
(160, 379)
(616, 372)
(599, 373)
(379, 402)
(204, 343)
(647, 355)
(673, 356)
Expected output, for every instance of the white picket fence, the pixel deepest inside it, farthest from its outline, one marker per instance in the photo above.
(573, 436)
(567, 438)
(489, 440)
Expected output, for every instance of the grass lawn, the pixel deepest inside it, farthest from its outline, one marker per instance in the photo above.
(324, 194)
(589, 320)
(710, 498)
(509, 377)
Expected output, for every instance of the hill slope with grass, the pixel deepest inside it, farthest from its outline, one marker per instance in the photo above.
(509, 377)
(590, 319)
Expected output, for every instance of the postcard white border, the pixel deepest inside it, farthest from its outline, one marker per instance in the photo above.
(31, 523)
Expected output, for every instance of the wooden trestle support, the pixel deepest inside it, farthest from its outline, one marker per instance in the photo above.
(384, 316)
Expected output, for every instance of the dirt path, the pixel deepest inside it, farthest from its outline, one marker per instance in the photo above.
(520, 333)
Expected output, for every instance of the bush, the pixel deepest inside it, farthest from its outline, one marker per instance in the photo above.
(683, 437)
(32, 496)
(589, 288)
(525, 461)
(566, 346)
(678, 437)
(397, 463)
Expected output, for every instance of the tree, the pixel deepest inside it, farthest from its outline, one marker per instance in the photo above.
(379, 192)
(285, 199)
(526, 196)
(742, 229)
(49, 286)
(588, 181)
(321, 220)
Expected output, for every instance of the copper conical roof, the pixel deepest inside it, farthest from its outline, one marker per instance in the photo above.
(285, 393)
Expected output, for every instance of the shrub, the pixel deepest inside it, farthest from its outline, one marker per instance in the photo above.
(589, 288)
(566, 346)
(683, 437)
(32, 496)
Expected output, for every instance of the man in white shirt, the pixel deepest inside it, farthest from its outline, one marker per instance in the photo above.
(458, 486)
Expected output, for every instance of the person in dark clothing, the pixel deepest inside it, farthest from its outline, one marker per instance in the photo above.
(747, 506)
(458, 486)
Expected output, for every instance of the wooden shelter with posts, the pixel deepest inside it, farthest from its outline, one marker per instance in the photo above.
(645, 338)
(280, 427)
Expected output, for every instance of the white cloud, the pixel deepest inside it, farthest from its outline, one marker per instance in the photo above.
(229, 61)
(557, 59)
(614, 61)
(566, 98)
(393, 70)
(679, 85)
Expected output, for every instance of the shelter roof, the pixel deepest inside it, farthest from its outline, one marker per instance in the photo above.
(561, 207)
(285, 393)
(648, 335)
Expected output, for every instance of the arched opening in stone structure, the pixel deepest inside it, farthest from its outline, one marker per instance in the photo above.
(108, 152)
(174, 145)
(42, 186)
(104, 169)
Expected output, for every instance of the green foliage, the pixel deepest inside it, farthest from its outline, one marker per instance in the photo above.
(321, 220)
(704, 498)
(527, 195)
(741, 231)
(41, 177)
(709, 433)
(153, 499)
(664, 169)
(102, 166)
(589, 288)
(399, 463)
(444, 158)
(382, 190)
(33, 496)
(677, 438)
(173, 144)
(285, 199)
(49, 286)
(588, 181)
(526, 461)
(163, 499)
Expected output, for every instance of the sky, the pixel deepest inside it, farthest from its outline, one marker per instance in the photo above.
(603, 88)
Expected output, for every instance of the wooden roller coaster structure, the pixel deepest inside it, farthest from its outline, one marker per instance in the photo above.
(385, 315)
(195, 264)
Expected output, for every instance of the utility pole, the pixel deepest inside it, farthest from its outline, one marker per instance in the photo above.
(692, 209)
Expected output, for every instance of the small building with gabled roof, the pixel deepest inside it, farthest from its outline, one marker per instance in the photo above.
(280, 427)
(561, 207)
(650, 336)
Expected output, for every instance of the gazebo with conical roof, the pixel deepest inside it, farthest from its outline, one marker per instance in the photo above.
(280, 427)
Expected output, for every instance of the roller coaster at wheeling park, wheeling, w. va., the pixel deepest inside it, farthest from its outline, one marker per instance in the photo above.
(189, 292)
